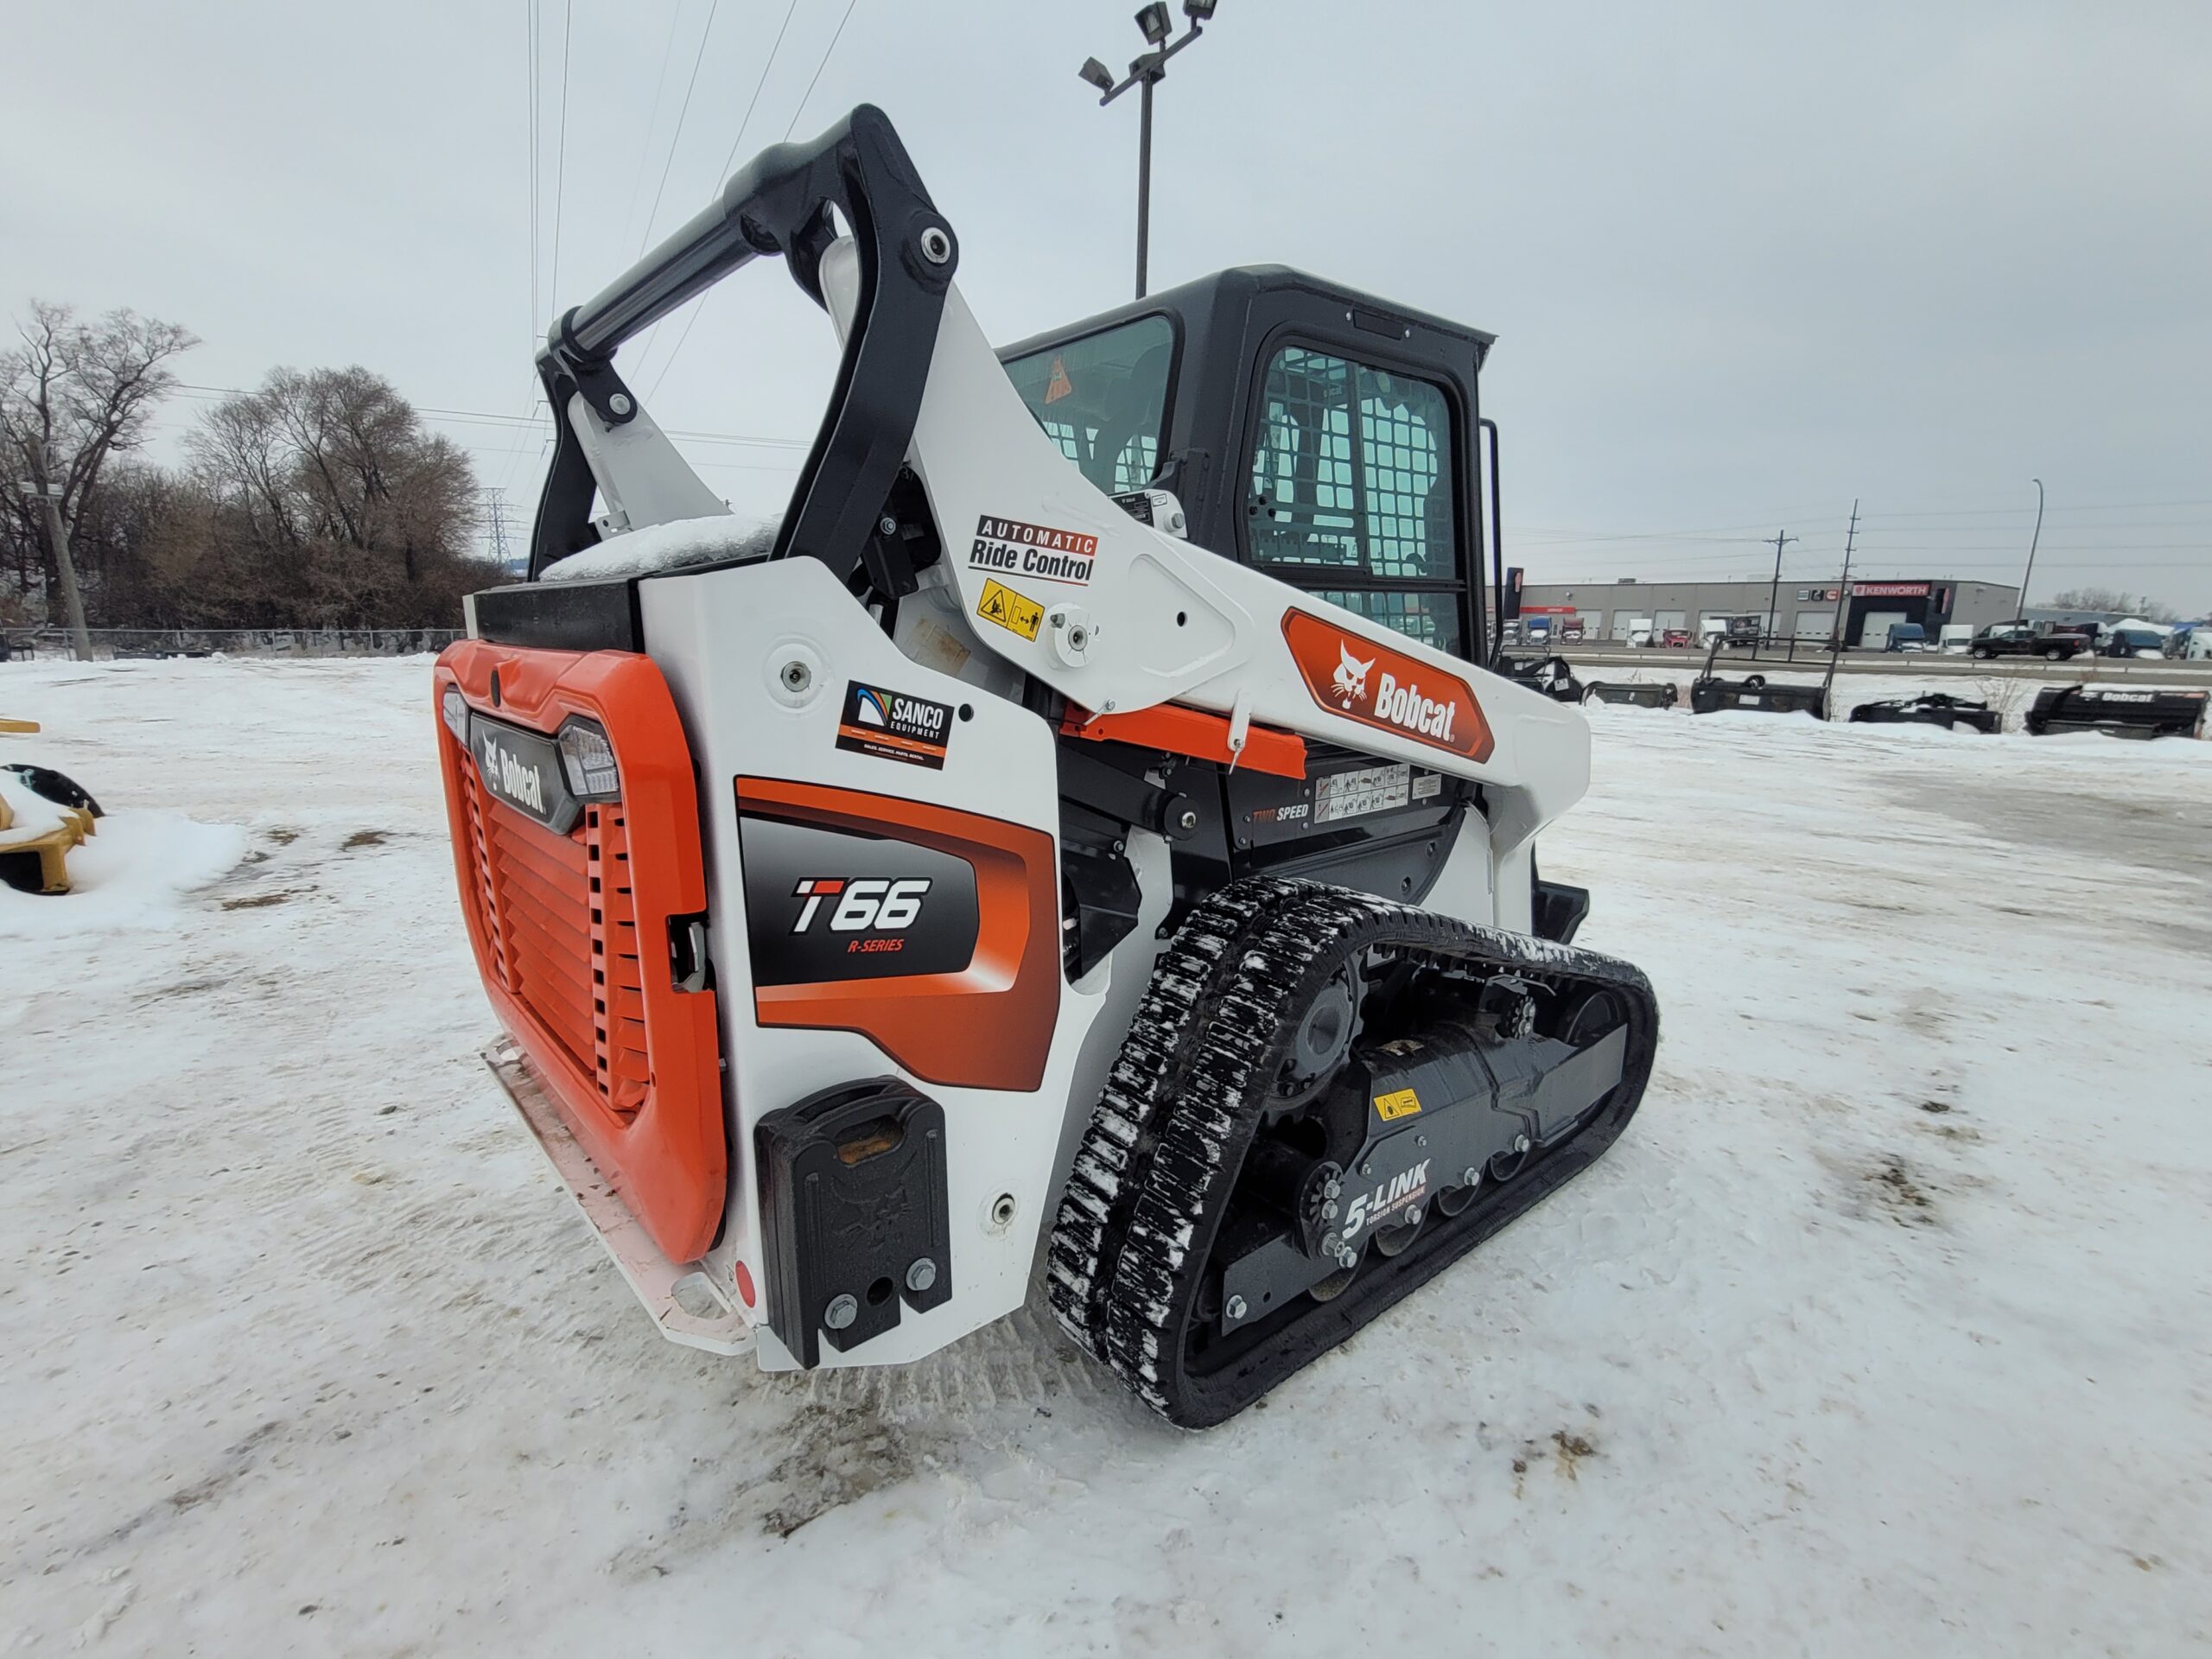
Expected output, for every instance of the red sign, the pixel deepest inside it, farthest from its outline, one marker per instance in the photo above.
(1366, 681)
(1889, 590)
(1547, 610)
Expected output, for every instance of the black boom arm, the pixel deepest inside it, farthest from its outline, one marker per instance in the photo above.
(781, 202)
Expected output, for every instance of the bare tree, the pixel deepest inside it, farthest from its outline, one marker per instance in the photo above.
(73, 397)
(325, 482)
(2113, 598)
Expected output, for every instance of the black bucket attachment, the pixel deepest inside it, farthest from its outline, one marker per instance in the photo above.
(1659, 693)
(2118, 711)
(1710, 693)
(1930, 708)
(1550, 675)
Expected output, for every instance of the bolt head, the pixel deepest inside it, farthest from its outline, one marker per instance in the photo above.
(1331, 1244)
(1471, 1175)
(1367, 1168)
(1347, 1258)
(1520, 1143)
(841, 1313)
(796, 676)
(937, 246)
(620, 404)
(1413, 1216)
(1188, 819)
(1328, 1209)
(887, 524)
(921, 1274)
(1235, 1309)
(1333, 1189)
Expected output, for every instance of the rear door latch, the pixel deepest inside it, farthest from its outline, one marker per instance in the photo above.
(687, 952)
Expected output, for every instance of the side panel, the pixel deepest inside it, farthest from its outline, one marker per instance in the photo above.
(760, 660)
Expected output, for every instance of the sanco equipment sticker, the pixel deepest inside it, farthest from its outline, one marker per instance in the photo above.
(892, 726)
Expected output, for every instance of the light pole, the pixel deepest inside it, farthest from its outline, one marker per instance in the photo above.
(2032, 540)
(1144, 72)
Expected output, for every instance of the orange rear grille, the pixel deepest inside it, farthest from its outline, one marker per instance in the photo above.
(572, 932)
(561, 918)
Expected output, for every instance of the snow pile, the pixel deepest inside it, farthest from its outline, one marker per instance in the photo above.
(1874, 1334)
(672, 546)
(132, 875)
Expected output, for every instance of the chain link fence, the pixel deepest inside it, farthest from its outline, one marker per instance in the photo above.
(125, 643)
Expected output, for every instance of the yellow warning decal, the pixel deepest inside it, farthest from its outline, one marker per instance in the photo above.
(1010, 610)
(1059, 386)
(1399, 1103)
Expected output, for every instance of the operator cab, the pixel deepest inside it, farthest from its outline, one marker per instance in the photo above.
(1314, 432)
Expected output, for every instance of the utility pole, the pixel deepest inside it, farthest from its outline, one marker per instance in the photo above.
(1145, 72)
(2032, 540)
(1839, 636)
(1774, 589)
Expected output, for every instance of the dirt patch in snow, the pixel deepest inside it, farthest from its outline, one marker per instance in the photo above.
(364, 838)
(1899, 1189)
(261, 901)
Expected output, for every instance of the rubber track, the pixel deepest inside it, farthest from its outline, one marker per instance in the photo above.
(1181, 1103)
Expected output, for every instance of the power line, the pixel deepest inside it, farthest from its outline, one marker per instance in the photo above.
(744, 121)
(698, 58)
(788, 131)
(819, 68)
(652, 120)
(561, 167)
(486, 418)
(531, 34)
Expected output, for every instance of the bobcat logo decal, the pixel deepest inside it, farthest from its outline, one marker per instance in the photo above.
(1350, 682)
(1393, 690)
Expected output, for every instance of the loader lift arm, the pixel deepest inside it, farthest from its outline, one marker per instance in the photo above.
(779, 204)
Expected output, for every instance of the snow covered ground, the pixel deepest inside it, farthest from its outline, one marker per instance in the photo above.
(1885, 1330)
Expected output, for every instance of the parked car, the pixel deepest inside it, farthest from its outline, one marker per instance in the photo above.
(1907, 636)
(2126, 641)
(1675, 636)
(2021, 639)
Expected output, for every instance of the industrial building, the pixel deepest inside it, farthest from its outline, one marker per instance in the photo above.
(1595, 611)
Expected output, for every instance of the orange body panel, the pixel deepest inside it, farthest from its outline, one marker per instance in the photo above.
(989, 1025)
(1194, 732)
(571, 932)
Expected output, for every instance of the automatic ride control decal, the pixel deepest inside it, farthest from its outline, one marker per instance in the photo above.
(1364, 680)
(1037, 551)
(892, 726)
(1015, 613)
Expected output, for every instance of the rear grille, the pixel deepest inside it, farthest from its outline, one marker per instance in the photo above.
(559, 915)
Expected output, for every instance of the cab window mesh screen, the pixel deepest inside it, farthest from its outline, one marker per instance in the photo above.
(1102, 399)
(1351, 492)
(1429, 616)
(1349, 471)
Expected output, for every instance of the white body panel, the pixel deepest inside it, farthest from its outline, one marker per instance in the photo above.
(721, 638)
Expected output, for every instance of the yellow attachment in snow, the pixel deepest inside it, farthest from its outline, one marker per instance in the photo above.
(18, 725)
(50, 846)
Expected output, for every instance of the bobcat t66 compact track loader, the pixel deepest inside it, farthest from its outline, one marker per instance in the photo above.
(1076, 835)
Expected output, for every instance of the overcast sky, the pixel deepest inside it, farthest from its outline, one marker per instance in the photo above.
(1745, 262)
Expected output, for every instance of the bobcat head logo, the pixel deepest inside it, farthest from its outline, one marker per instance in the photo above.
(1350, 682)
